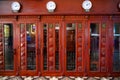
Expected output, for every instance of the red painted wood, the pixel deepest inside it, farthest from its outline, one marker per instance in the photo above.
(22, 51)
(38, 7)
(51, 46)
(84, 33)
(66, 11)
(2, 65)
(115, 20)
(1, 48)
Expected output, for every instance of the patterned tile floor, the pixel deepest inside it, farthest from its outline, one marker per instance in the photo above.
(55, 78)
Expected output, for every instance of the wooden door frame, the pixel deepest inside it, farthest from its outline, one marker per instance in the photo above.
(77, 22)
(52, 20)
(101, 20)
(39, 20)
(115, 19)
(54, 72)
(25, 20)
(12, 21)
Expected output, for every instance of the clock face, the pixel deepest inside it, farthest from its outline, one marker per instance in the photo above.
(119, 5)
(87, 5)
(15, 6)
(51, 5)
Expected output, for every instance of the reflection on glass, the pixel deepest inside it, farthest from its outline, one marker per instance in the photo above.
(70, 46)
(94, 46)
(45, 47)
(57, 46)
(31, 50)
(116, 57)
(8, 46)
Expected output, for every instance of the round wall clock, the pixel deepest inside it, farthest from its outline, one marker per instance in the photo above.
(87, 5)
(51, 6)
(15, 6)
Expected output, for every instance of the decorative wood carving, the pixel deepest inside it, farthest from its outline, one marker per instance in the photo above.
(51, 18)
(76, 18)
(103, 47)
(29, 18)
(51, 48)
(22, 46)
(8, 17)
(1, 49)
(80, 32)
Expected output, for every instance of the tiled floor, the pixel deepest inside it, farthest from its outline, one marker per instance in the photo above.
(55, 78)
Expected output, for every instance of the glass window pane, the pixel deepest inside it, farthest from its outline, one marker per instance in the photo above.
(94, 46)
(45, 47)
(31, 46)
(70, 46)
(8, 46)
(57, 26)
(116, 56)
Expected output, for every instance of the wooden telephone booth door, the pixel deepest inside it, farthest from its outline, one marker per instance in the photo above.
(115, 46)
(7, 48)
(51, 53)
(28, 55)
(74, 48)
(97, 48)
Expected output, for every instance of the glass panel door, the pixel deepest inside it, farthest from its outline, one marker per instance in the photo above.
(45, 47)
(6, 47)
(70, 46)
(57, 44)
(31, 46)
(116, 53)
(28, 47)
(51, 48)
(94, 47)
(74, 48)
(98, 47)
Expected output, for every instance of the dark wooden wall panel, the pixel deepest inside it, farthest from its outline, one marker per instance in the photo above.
(64, 7)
